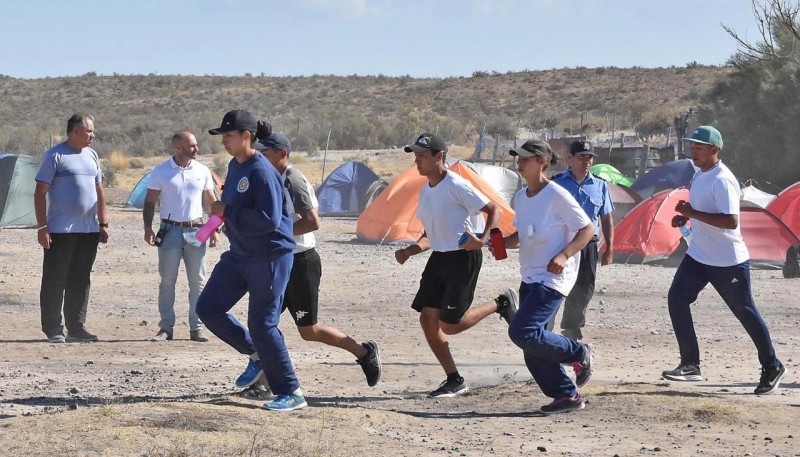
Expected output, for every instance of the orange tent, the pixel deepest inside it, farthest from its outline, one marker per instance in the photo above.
(786, 207)
(391, 218)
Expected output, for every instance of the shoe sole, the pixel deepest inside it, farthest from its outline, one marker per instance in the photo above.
(301, 405)
(72, 339)
(687, 378)
(565, 410)
(374, 345)
(57, 340)
(590, 348)
(777, 384)
(452, 394)
(255, 380)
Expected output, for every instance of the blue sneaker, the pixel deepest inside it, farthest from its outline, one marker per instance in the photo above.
(286, 402)
(250, 374)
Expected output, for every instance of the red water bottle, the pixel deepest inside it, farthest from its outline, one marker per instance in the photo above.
(498, 244)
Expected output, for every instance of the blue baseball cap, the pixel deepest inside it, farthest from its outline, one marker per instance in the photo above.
(276, 140)
(705, 134)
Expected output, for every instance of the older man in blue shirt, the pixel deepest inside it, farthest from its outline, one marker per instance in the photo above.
(593, 196)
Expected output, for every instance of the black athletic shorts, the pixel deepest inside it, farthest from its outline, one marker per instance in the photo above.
(448, 283)
(302, 292)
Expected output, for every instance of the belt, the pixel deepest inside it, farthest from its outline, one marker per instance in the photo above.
(195, 223)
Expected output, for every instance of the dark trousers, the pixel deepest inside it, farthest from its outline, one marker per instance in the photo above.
(544, 351)
(577, 302)
(733, 285)
(265, 280)
(66, 270)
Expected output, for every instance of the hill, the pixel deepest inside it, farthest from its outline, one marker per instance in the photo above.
(136, 114)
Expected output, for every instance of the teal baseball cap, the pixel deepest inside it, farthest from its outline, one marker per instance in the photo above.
(705, 134)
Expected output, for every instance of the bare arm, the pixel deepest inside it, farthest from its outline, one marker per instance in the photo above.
(724, 221)
(308, 222)
(40, 209)
(148, 212)
(581, 239)
(102, 211)
(607, 226)
(422, 245)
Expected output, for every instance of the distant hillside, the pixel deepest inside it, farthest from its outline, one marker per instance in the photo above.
(136, 114)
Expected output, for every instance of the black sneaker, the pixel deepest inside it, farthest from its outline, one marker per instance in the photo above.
(371, 363)
(770, 379)
(583, 369)
(80, 336)
(507, 304)
(564, 405)
(683, 373)
(448, 389)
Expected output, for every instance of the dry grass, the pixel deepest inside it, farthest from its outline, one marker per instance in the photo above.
(118, 161)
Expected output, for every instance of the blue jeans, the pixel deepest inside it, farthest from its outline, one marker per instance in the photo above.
(544, 350)
(265, 280)
(180, 243)
(733, 285)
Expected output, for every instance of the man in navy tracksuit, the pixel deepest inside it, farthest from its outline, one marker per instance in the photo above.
(259, 261)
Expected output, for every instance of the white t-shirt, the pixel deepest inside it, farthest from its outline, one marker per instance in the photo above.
(181, 198)
(716, 191)
(449, 209)
(546, 223)
(300, 196)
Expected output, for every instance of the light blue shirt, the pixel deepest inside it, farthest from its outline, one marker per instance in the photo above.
(592, 195)
(72, 177)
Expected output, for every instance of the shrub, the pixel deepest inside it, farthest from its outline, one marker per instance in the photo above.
(136, 163)
(118, 161)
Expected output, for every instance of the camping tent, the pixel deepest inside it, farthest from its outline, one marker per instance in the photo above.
(753, 196)
(506, 182)
(345, 190)
(624, 200)
(391, 218)
(17, 184)
(668, 176)
(611, 174)
(646, 234)
(786, 207)
(136, 197)
(766, 237)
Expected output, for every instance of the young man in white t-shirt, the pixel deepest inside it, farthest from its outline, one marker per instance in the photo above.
(552, 229)
(183, 186)
(448, 207)
(302, 292)
(716, 255)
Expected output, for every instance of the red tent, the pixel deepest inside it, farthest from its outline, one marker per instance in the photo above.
(624, 200)
(646, 234)
(766, 237)
(786, 207)
(391, 217)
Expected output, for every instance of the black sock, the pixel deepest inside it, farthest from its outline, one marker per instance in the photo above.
(453, 376)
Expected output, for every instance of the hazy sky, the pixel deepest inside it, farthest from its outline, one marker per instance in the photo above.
(41, 38)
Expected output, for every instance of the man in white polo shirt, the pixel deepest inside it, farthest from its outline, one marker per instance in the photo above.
(184, 186)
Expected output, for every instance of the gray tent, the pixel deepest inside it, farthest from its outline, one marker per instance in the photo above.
(506, 182)
(17, 183)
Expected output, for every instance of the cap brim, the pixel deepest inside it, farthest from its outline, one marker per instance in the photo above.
(415, 148)
(692, 140)
(219, 130)
(259, 146)
(588, 153)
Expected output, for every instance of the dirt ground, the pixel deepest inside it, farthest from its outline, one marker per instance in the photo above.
(128, 396)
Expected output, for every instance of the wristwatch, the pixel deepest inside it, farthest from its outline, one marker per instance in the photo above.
(104, 224)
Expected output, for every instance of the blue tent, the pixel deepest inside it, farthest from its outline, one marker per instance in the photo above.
(345, 190)
(671, 175)
(136, 198)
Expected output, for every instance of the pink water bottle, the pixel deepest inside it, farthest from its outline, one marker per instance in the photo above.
(498, 243)
(208, 228)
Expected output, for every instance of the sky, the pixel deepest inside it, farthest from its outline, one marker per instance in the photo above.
(435, 38)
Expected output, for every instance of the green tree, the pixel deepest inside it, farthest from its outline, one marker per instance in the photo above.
(757, 106)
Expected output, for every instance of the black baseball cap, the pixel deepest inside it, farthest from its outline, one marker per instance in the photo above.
(532, 148)
(582, 147)
(427, 141)
(276, 140)
(237, 119)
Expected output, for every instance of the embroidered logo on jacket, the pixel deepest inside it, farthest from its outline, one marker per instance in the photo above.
(243, 185)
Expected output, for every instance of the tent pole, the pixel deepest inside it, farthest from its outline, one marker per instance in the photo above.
(324, 157)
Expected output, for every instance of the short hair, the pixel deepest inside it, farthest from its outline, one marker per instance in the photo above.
(180, 136)
(76, 120)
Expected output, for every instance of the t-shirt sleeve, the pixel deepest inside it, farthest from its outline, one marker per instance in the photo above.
(47, 171)
(726, 196)
(154, 181)
(99, 176)
(298, 191)
(470, 198)
(209, 184)
(571, 214)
